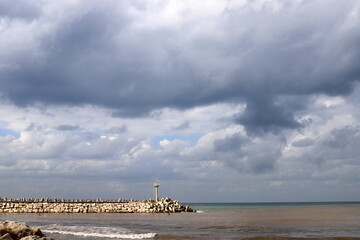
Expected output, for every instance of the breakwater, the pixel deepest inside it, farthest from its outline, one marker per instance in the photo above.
(46, 205)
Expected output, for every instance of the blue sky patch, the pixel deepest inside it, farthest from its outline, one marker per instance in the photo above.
(4, 132)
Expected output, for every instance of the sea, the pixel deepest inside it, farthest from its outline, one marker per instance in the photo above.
(274, 221)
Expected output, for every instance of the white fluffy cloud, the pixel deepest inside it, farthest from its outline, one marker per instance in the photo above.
(221, 159)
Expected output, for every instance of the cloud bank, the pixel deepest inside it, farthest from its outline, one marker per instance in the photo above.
(215, 93)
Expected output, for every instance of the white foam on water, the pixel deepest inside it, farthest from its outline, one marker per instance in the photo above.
(200, 211)
(99, 232)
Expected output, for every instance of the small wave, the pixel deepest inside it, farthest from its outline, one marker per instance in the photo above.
(99, 232)
(200, 211)
(102, 235)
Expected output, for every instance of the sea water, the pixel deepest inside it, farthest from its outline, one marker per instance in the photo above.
(212, 221)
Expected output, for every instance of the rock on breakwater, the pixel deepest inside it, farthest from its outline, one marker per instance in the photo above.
(46, 205)
(11, 230)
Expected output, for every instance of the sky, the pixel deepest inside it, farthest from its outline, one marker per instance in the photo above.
(219, 100)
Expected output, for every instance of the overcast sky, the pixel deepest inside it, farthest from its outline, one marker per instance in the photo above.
(220, 100)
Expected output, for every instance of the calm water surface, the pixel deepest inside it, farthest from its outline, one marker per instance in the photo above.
(212, 221)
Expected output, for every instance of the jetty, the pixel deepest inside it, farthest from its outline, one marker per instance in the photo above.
(46, 205)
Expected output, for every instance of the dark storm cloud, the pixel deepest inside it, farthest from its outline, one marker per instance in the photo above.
(342, 138)
(133, 112)
(31, 127)
(100, 56)
(332, 156)
(263, 115)
(184, 125)
(229, 143)
(116, 130)
(19, 9)
(67, 128)
(238, 152)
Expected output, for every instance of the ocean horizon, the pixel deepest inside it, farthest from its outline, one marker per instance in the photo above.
(276, 203)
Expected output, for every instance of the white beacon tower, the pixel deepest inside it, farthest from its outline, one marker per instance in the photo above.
(156, 191)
